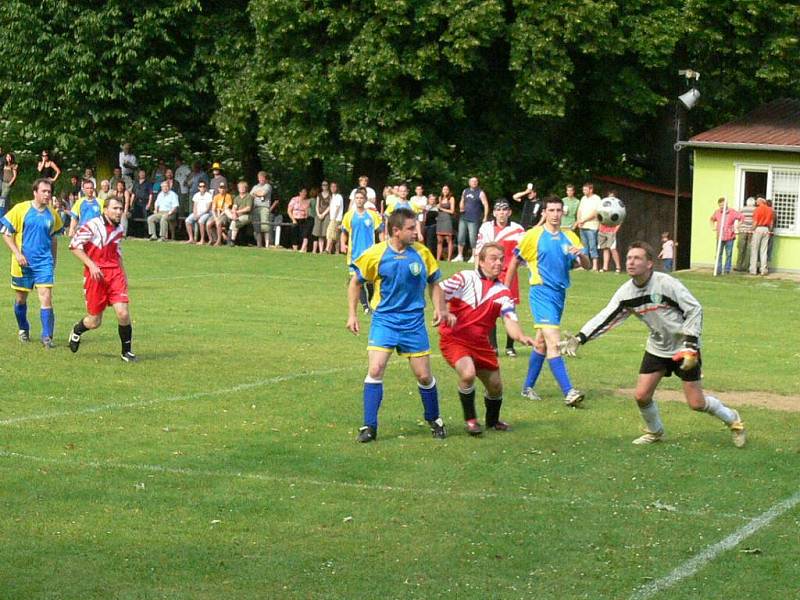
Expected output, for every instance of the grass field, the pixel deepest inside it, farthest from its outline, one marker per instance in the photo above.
(224, 464)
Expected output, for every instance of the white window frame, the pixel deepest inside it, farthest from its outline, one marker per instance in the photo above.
(768, 168)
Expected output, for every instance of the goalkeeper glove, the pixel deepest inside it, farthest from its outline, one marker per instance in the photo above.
(687, 356)
(569, 345)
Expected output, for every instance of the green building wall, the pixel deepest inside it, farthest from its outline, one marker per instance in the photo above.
(714, 177)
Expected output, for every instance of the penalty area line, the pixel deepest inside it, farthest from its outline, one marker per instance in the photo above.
(701, 559)
(179, 398)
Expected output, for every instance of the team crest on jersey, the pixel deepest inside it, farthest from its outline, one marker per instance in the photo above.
(415, 268)
(656, 298)
(565, 248)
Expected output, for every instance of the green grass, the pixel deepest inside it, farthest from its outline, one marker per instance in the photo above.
(224, 463)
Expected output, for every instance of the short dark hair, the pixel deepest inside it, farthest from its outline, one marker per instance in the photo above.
(40, 181)
(648, 249)
(113, 199)
(398, 219)
(553, 199)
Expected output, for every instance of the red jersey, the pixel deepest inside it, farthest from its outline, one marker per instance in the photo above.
(507, 237)
(100, 239)
(476, 302)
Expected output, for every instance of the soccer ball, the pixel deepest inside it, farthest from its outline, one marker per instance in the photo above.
(611, 211)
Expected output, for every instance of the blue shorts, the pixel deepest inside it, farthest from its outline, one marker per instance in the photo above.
(547, 305)
(33, 275)
(408, 341)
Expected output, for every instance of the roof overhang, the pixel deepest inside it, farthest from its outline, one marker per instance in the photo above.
(738, 146)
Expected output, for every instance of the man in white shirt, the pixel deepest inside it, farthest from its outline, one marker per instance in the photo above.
(164, 212)
(201, 213)
(127, 160)
(588, 222)
(183, 174)
(363, 182)
(337, 214)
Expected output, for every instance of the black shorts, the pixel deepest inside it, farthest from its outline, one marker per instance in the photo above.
(653, 364)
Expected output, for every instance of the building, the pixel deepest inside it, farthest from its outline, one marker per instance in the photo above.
(758, 154)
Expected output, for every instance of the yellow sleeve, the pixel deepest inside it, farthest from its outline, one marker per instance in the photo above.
(367, 264)
(376, 220)
(574, 239)
(58, 224)
(16, 215)
(348, 217)
(76, 208)
(528, 245)
(431, 266)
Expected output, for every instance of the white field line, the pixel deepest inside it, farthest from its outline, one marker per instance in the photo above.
(179, 398)
(700, 560)
(292, 481)
(202, 276)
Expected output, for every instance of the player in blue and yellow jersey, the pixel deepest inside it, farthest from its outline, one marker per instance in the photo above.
(358, 235)
(550, 253)
(87, 207)
(401, 269)
(28, 231)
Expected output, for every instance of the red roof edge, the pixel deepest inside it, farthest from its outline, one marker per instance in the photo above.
(642, 186)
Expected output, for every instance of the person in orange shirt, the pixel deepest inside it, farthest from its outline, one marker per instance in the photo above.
(763, 222)
(219, 221)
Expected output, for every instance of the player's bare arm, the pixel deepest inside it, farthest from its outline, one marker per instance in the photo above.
(343, 242)
(440, 312)
(353, 291)
(54, 250)
(94, 271)
(581, 258)
(515, 331)
(12, 245)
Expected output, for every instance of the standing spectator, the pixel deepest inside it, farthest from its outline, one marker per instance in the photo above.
(87, 207)
(240, 212)
(201, 213)
(183, 175)
(726, 232)
(142, 196)
(363, 182)
(322, 210)
(10, 169)
(29, 231)
(507, 234)
(571, 203)
(763, 222)
(217, 178)
(444, 223)
(127, 161)
(430, 215)
(62, 207)
(299, 212)
(262, 210)
(119, 176)
(159, 175)
(125, 199)
(174, 186)
(531, 207)
(48, 168)
(588, 223)
(75, 186)
(419, 204)
(197, 175)
(474, 208)
(745, 235)
(165, 211)
(336, 216)
(607, 241)
(667, 253)
(88, 174)
(219, 212)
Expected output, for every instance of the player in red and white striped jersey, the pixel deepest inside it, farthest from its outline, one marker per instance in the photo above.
(96, 245)
(507, 233)
(476, 299)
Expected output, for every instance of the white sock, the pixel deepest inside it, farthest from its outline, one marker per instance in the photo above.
(719, 410)
(651, 417)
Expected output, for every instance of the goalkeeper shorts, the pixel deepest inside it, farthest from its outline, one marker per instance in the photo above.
(653, 364)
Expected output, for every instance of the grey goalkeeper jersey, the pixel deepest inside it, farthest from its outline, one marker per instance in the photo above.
(664, 304)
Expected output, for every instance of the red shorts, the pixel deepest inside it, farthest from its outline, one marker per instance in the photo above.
(111, 289)
(481, 354)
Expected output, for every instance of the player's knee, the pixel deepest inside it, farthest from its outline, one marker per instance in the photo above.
(495, 389)
(642, 399)
(93, 321)
(425, 379)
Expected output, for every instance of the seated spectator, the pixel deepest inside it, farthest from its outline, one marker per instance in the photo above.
(105, 190)
(240, 212)
(299, 212)
(262, 209)
(165, 212)
(200, 215)
(118, 176)
(219, 221)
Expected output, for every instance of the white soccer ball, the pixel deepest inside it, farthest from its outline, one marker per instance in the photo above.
(611, 211)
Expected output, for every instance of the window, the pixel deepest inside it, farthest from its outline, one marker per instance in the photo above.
(781, 184)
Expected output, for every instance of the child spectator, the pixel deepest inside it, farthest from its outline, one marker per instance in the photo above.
(667, 252)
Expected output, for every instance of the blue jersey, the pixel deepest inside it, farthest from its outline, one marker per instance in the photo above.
(33, 230)
(85, 210)
(360, 229)
(547, 255)
(400, 280)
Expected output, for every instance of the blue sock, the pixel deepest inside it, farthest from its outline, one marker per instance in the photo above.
(534, 368)
(559, 370)
(21, 312)
(373, 396)
(430, 401)
(48, 322)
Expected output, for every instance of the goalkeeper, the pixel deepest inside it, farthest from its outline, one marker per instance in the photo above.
(675, 320)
